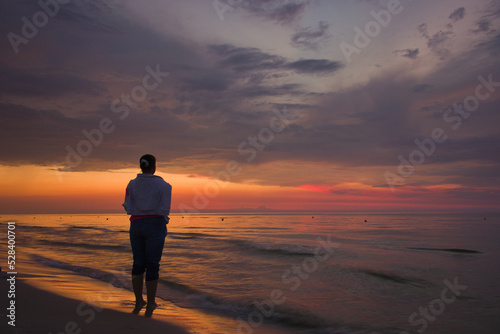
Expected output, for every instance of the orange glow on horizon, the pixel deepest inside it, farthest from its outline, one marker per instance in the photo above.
(38, 189)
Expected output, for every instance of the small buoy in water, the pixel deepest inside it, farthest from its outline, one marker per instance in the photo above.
(107, 218)
(222, 219)
(365, 220)
(182, 217)
(484, 218)
(312, 217)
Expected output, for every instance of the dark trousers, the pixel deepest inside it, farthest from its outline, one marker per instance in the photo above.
(147, 238)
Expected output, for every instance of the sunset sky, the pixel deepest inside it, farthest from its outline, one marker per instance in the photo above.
(338, 105)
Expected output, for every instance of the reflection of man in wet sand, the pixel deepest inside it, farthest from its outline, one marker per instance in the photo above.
(147, 200)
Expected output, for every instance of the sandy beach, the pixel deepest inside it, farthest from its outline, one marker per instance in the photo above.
(40, 311)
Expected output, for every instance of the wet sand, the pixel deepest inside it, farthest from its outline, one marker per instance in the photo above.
(56, 301)
(39, 311)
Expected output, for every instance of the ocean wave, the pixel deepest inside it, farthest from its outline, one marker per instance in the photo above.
(263, 248)
(95, 228)
(388, 276)
(194, 235)
(186, 296)
(223, 243)
(297, 318)
(282, 249)
(204, 228)
(448, 250)
(272, 228)
(65, 229)
(181, 235)
(89, 246)
(118, 280)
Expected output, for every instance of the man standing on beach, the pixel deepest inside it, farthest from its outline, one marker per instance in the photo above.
(147, 200)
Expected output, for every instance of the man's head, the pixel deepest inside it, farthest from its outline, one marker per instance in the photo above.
(148, 164)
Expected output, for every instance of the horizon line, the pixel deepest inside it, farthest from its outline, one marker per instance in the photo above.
(114, 212)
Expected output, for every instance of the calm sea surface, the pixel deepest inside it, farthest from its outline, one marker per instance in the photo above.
(310, 273)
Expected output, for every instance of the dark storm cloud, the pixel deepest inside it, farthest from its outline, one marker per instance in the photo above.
(281, 11)
(77, 56)
(475, 195)
(421, 88)
(479, 149)
(19, 82)
(485, 175)
(423, 30)
(492, 45)
(84, 15)
(246, 59)
(457, 15)
(252, 59)
(436, 41)
(32, 135)
(310, 39)
(42, 137)
(315, 66)
(211, 81)
(486, 23)
(362, 126)
(408, 53)
(357, 127)
(256, 91)
(438, 38)
(483, 26)
(63, 18)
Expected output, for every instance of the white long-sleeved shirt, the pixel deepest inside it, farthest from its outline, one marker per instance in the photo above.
(148, 194)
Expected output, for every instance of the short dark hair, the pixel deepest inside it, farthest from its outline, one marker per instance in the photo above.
(147, 162)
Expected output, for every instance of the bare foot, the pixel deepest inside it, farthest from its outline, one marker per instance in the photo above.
(150, 309)
(138, 306)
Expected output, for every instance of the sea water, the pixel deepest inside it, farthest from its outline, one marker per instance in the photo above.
(307, 272)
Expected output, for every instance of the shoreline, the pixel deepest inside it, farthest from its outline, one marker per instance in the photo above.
(38, 310)
(57, 301)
